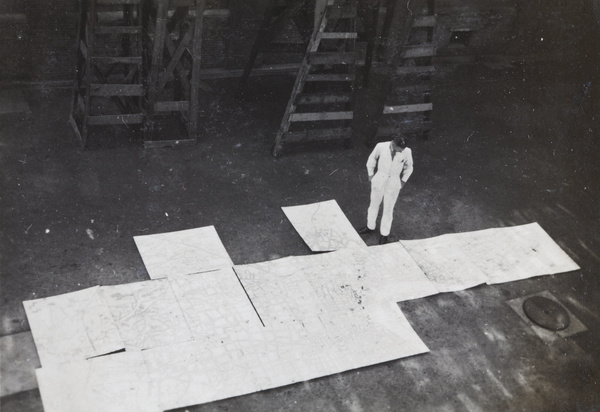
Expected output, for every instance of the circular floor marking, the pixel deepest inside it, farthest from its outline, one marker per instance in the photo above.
(546, 313)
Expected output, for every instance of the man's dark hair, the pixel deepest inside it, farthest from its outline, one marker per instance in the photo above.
(400, 141)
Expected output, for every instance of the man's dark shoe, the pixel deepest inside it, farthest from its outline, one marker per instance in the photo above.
(364, 230)
(383, 240)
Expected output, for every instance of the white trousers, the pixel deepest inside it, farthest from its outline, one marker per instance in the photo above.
(383, 189)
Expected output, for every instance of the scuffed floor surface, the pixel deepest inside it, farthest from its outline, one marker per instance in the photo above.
(511, 145)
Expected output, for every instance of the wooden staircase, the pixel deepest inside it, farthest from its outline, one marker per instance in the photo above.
(108, 88)
(408, 107)
(320, 107)
(278, 16)
(175, 32)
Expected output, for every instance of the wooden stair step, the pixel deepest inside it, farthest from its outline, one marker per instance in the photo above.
(208, 13)
(317, 135)
(105, 16)
(412, 52)
(117, 2)
(329, 78)
(408, 108)
(136, 118)
(424, 21)
(181, 3)
(118, 59)
(270, 69)
(174, 106)
(332, 58)
(321, 116)
(215, 13)
(323, 98)
(116, 90)
(422, 70)
(118, 29)
(338, 35)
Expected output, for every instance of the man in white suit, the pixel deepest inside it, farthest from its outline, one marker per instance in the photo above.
(394, 164)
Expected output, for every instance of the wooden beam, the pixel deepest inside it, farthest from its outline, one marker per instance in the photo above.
(318, 135)
(315, 117)
(118, 29)
(332, 58)
(194, 110)
(298, 85)
(413, 52)
(179, 106)
(403, 70)
(118, 60)
(116, 119)
(175, 58)
(323, 98)
(408, 108)
(13, 18)
(285, 68)
(412, 89)
(338, 35)
(84, 49)
(424, 21)
(117, 2)
(217, 13)
(116, 90)
(330, 77)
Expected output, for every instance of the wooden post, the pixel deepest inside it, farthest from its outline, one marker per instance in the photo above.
(371, 21)
(195, 80)
(160, 32)
(320, 6)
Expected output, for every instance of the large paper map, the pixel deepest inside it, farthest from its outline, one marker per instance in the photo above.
(209, 330)
(182, 253)
(323, 226)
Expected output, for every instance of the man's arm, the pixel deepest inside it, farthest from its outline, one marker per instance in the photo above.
(408, 168)
(372, 162)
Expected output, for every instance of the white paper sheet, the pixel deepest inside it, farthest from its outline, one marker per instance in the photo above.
(115, 383)
(214, 304)
(183, 252)
(514, 253)
(320, 302)
(309, 316)
(462, 260)
(394, 274)
(72, 326)
(445, 263)
(323, 226)
(147, 314)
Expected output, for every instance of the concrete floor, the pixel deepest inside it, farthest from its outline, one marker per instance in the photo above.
(512, 144)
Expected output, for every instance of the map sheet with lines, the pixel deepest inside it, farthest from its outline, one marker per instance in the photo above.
(323, 226)
(183, 252)
(207, 329)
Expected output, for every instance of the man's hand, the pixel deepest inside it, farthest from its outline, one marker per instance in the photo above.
(370, 177)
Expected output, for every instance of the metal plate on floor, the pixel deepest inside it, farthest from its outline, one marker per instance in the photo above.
(546, 313)
(575, 325)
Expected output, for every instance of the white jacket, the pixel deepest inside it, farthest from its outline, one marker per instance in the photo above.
(401, 167)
